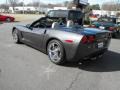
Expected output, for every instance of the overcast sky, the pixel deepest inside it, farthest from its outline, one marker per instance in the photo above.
(57, 1)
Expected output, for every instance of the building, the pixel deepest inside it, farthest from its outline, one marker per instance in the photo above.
(103, 12)
(60, 8)
(28, 9)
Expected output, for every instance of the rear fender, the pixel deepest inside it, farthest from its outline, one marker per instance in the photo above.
(70, 48)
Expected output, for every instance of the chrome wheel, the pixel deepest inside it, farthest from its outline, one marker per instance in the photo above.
(54, 52)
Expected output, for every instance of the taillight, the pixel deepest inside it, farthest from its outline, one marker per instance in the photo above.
(88, 39)
(84, 40)
(91, 39)
(111, 28)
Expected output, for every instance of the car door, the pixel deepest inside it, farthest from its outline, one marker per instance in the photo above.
(35, 33)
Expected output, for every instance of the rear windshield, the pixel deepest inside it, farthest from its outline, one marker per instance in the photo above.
(71, 15)
(75, 15)
(60, 13)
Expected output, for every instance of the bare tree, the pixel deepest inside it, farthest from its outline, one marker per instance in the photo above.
(68, 4)
(5, 7)
(13, 3)
(29, 4)
(110, 6)
(20, 4)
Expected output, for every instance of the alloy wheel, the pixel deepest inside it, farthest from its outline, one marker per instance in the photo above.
(15, 36)
(54, 52)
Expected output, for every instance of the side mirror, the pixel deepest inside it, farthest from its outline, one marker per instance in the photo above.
(29, 26)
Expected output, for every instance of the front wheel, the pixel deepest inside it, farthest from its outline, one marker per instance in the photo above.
(56, 52)
(15, 36)
(8, 20)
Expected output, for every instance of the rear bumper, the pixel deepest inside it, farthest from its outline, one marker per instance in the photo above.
(88, 51)
(86, 54)
(93, 54)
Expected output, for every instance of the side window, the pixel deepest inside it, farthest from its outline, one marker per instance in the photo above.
(36, 25)
(39, 24)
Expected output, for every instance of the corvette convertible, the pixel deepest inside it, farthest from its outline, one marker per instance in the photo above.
(63, 42)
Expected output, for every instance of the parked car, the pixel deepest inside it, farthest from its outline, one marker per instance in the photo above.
(63, 43)
(6, 18)
(107, 23)
(118, 23)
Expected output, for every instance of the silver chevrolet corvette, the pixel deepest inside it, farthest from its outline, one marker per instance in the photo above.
(63, 42)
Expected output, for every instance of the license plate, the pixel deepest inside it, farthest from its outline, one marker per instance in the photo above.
(100, 45)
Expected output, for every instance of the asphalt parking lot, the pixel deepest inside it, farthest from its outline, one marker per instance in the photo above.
(24, 68)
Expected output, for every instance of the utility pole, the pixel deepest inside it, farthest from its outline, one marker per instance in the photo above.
(23, 7)
(6, 6)
(6, 2)
(117, 2)
(39, 6)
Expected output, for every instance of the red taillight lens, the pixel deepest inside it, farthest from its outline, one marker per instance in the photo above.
(111, 28)
(84, 40)
(91, 39)
(88, 39)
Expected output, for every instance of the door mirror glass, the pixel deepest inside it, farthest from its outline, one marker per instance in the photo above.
(29, 26)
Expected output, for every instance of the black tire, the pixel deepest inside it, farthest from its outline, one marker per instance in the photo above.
(114, 35)
(8, 20)
(61, 52)
(16, 36)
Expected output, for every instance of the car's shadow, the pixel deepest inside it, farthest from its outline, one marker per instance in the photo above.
(12, 22)
(1, 22)
(118, 36)
(109, 63)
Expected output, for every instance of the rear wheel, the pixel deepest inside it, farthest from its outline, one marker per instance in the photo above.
(15, 36)
(56, 52)
(8, 20)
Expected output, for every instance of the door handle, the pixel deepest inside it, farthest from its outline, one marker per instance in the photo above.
(45, 31)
